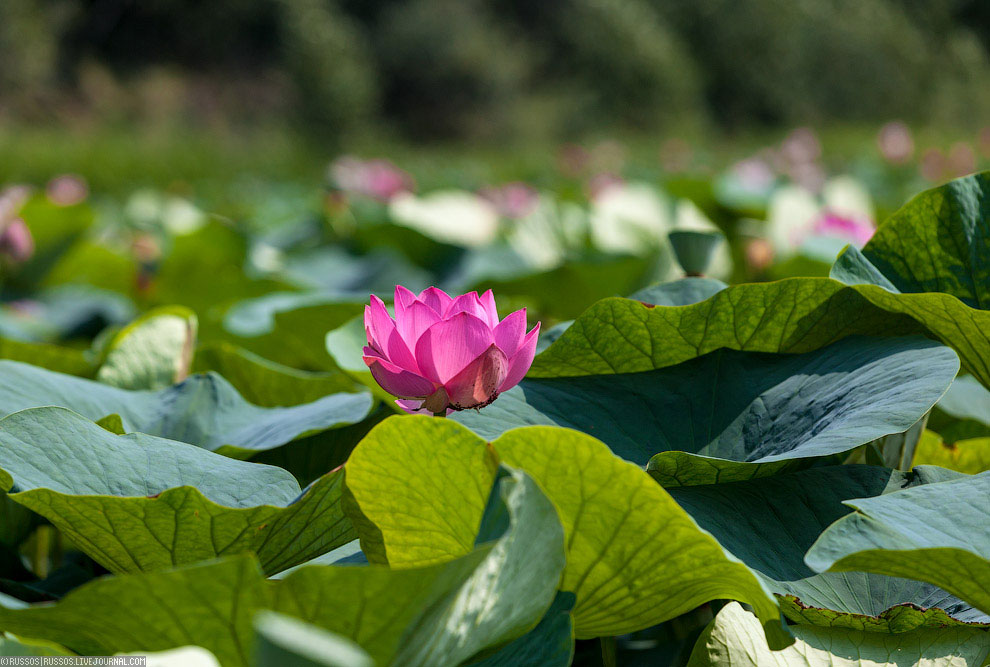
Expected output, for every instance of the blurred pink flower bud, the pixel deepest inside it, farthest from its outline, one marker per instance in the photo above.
(512, 200)
(933, 165)
(16, 242)
(573, 160)
(67, 190)
(441, 353)
(377, 179)
(12, 198)
(962, 159)
(754, 174)
(895, 142)
(801, 146)
(599, 183)
(855, 230)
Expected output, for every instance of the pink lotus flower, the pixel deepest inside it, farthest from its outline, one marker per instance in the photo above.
(377, 179)
(441, 353)
(16, 242)
(512, 200)
(855, 230)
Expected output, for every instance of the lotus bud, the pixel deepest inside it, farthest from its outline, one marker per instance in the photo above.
(16, 242)
(440, 354)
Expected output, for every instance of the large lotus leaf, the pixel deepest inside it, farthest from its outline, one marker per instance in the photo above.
(153, 352)
(770, 523)
(509, 587)
(731, 415)
(207, 605)
(204, 410)
(283, 641)
(265, 382)
(420, 487)
(939, 533)
(795, 315)
(549, 644)
(734, 638)
(634, 557)
(937, 242)
(139, 503)
(970, 456)
(439, 614)
(681, 292)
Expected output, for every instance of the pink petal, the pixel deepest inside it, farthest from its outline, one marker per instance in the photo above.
(520, 362)
(488, 303)
(510, 332)
(415, 319)
(478, 383)
(378, 324)
(402, 300)
(467, 303)
(435, 298)
(396, 381)
(447, 347)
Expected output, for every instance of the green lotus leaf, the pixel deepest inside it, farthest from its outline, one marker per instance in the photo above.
(634, 557)
(549, 644)
(139, 503)
(794, 315)
(152, 352)
(937, 242)
(283, 641)
(770, 523)
(439, 614)
(734, 638)
(209, 605)
(969, 456)
(204, 410)
(936, 533)
(732, 415)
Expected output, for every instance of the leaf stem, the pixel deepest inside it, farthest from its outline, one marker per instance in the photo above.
(609, 658)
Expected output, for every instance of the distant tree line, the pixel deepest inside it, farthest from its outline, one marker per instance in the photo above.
(456, 68)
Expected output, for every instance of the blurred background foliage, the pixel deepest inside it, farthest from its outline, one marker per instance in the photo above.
(345, 70)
